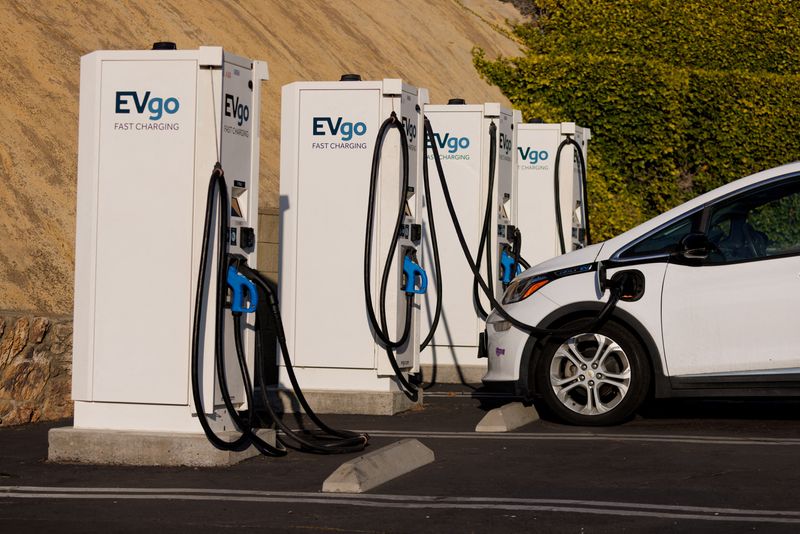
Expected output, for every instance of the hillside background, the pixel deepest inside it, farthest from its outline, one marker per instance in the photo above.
(427, 43)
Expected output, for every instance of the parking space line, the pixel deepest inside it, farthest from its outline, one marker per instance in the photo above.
(702, 513)
(587, 436)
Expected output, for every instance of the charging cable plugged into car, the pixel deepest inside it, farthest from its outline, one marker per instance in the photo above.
(618, 286)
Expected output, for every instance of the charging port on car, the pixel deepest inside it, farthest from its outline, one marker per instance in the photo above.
(631, 284)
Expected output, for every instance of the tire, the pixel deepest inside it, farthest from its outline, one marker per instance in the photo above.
(595, 378)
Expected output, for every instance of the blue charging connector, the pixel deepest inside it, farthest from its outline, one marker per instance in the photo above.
(507, 261)
(242, 288)
(412, 271)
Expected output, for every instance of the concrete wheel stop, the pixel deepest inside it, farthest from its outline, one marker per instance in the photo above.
(115, 447)
(378, 467)
(507, 418)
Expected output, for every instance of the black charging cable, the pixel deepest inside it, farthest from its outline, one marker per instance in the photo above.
(614, 286)
(331, 441)
(437, 266)
(217, 189)
(584, 192)
(381, 328)
(485, 240)
(345, 442)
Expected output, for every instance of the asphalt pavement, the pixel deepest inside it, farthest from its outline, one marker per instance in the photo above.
(710, 466)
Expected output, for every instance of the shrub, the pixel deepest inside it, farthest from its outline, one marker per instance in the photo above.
(681, 97)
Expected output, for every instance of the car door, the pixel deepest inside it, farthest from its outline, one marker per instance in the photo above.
(734, 313)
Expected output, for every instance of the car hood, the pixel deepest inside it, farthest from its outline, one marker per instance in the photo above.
(571, 259)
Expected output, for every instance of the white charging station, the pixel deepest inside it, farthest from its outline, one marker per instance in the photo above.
(463, 141)
(152, 125)
(328, 134)
(537, 145)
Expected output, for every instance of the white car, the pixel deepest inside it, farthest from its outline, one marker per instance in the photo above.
(719, 315)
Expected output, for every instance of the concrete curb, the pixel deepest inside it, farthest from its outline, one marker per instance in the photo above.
(508, 417)
(349, 402)
(375, 468)
(114, 447)
(453, 374)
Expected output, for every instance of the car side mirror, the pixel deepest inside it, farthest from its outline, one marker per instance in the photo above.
(695, 246)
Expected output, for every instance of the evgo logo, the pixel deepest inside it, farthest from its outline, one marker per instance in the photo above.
(156, 106)
(505, 144)
(238, 111)
(452, 143)
(531, 155)
(327, 126)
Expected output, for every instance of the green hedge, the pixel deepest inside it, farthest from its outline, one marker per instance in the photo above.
(755, 36)
(680, 97)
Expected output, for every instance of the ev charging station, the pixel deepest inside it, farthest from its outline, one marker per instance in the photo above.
(463, 138)
(152, 126)
(328, 139)
(537, 149)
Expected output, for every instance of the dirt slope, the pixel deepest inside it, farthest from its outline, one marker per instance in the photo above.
(425, 42)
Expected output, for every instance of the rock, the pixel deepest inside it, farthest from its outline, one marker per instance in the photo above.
(62, 331)
(58, 398)
(18, 414)
(25, 380)
(39, 329)
(14, 343)
(35, 368)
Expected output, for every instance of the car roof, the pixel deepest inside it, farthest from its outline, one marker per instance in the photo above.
(616, 243)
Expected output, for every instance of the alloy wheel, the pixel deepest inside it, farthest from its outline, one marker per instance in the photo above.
(590, 374)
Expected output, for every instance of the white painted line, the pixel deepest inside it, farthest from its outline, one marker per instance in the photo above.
(587, 436)
(701, 513)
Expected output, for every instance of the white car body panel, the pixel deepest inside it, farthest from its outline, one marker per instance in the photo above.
(713, 310)
(505, 348)
(719, 296)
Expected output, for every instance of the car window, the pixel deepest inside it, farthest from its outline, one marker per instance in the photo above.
(664, 241)
(756, 225)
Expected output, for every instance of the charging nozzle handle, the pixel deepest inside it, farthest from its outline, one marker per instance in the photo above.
(516, 248)
(412, 270)
(242, 287)
(509, 262)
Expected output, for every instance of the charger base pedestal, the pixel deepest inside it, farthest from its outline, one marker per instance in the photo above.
(324, 401)
(115, 447)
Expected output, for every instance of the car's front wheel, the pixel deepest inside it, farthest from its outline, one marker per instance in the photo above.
(593, 378)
